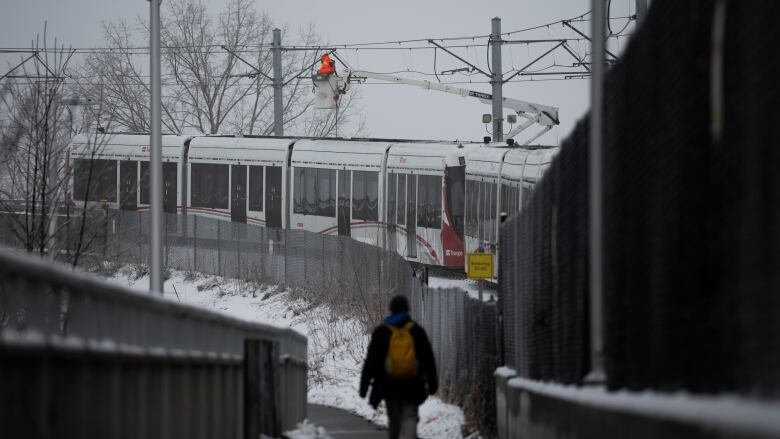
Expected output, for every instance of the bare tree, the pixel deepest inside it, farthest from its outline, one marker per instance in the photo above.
(34, 143)
(118, 79)
(35, 188)
(216, 77)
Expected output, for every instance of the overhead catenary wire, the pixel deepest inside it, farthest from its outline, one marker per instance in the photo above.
(144, 50)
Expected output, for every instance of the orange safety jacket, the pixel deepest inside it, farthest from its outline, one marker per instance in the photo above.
(328, 66)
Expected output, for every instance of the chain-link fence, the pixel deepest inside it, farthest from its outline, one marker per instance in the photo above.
(352, 277)
(691, 209)
(464, 335)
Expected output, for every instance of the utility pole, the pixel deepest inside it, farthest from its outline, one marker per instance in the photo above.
(497, 80)
(277, 60)
(595, 249)
(155, 147)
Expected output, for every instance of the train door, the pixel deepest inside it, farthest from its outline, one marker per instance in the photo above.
(345, 201)
(411, 216)
(390, 211)
(273, 196)
(238, 193)
(128, 189)
(169, 187)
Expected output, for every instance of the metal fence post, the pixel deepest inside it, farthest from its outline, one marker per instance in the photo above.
(238, 258)
(286, 248)
(105, 231)
(195, 243)
(219, 249)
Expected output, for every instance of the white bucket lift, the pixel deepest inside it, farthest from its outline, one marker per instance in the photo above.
(326, 91)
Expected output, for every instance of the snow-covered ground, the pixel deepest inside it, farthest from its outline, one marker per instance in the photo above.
(468, 285)
(337, 344)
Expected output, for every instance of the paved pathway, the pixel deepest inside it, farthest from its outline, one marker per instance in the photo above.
(342, 424)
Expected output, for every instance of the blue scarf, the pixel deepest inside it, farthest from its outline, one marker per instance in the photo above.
(396, 319)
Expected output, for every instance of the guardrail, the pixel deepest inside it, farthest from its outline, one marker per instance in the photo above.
(81, 357)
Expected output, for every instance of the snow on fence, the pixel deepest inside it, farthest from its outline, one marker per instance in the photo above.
(80, 357)
(352, 277)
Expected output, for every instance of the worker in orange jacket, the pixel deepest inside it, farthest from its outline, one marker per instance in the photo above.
(328, 66)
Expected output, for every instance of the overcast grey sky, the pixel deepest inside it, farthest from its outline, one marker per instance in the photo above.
(390, 110)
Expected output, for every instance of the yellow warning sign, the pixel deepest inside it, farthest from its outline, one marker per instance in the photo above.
(480, 265)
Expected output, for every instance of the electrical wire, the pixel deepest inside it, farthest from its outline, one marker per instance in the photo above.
(144, 50)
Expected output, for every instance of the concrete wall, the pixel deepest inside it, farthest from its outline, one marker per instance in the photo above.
(528, 409)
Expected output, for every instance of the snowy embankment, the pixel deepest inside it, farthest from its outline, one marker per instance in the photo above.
(467, 285)
(337, 344)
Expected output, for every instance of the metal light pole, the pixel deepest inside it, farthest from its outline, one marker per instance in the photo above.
(277, 65)
(598, 60)
(497, 80)
(155, 147)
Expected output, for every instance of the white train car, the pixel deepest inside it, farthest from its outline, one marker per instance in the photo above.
(431, 202)
(336, 187)
(499, 179)
(113, 169)
(242, 179)
(425, 202)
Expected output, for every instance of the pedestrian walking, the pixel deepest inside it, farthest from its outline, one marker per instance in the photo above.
(400, 368)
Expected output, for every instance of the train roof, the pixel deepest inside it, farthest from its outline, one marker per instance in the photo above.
(245, 150)
(521, 156)
(422, 157)
(511, 163)
(339, 153)
(125, 146)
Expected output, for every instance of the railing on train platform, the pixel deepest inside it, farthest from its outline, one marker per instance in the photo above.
(80, 357)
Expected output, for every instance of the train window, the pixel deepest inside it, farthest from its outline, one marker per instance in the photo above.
(401, 218)
(469, 204)
(144, 183)
(210, 185)
(298, 191)
(429, 201)
(372, 192)
(456, 192)
(256, 188)
(326, 192)
(314, 191)
(482, 209)
(492, 212)
(94, 180)
(358, 194)
(504, 199)
(310, 191)
(422, 201)
(390, 208)
(365, 195)
(472, 198)
(434, 201)
(527, 188)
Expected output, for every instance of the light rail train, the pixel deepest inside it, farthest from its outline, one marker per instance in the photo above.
(431, 202)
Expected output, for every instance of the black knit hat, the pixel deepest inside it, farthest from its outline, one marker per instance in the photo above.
(399, 304)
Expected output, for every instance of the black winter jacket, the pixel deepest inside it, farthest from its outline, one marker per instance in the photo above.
(416, 389)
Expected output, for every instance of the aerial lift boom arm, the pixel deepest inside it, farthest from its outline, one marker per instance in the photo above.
(544, 115)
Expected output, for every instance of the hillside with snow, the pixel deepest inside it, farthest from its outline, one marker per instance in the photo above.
(337, 344)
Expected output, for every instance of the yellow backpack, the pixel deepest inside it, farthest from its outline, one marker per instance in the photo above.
(401, 361)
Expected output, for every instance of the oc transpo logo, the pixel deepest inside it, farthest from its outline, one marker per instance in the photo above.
(452, 253)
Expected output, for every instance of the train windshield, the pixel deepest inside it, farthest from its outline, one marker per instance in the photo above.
(456, 195)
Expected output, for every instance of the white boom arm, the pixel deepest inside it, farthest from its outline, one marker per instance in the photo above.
(544, 115)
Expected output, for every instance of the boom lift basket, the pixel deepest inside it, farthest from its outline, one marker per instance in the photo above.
(326, 91)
